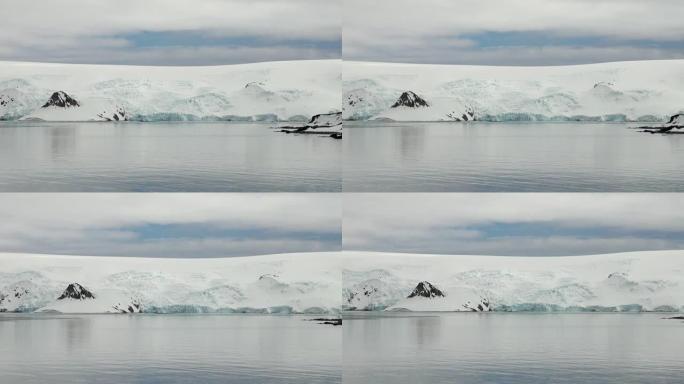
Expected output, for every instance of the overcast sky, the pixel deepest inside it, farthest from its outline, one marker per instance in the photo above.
(169, 32)
(513, 224)
(169, 225)
(512, 32)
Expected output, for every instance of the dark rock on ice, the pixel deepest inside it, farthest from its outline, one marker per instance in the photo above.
(118, 115)
(468, 115)
(133, 307)
(328, 321)
(61, 99)
(5, 100)
(324, 120)
(483, 306)
(675, 122)
(425, 289)
(411, 100)
(76, 291)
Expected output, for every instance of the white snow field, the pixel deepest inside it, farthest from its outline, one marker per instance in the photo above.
(618, 91)
(636, 281)
(284, 283)
(328, 282)
(270, 91)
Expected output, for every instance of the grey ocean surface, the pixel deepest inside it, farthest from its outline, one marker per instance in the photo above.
(165, 157)
(512, 348)
(105, 349)
(510, 157)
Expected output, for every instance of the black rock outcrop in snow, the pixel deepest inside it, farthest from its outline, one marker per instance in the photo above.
(425, 289)
(133, 307)
(483, 306)
(468, 115)
(118, 115)
(411, 100)
(76, 291)
(62, 100)
(5, 100)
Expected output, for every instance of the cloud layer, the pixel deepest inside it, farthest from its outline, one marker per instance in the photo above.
(223, 31)
(169, 225)
(214, 225)
(478, 32)
(513, 224)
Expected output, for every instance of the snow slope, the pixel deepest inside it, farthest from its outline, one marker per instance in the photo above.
(307, 283)
(648, 281)
(259, 91)
(619, 91)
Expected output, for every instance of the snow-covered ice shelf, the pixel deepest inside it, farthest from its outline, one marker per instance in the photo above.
(619, 91)
(285, 283)
(285, 91)
(636, 281)
(330, 281)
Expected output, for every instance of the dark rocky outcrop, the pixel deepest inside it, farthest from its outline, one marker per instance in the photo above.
(324, 120)
(425, 289)
(411, 100)
(118, 115)
(483, 306)
(6, 100)
(133, 307)
(61, 99)
(328, 321)
(76, 291)
(675, 122)
(468, 115)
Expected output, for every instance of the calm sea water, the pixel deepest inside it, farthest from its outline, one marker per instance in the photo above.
(512, 348)
(510, 157)
(165, 157)
(168, 349)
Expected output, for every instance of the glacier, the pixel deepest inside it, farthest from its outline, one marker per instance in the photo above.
(269, 91)
(283, 283)
(331, 282)
(626, 282)
(645, 91)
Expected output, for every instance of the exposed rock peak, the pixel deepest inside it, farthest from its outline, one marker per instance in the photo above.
(62, 100)
(411, 100)
(425, 289)
(76, 291)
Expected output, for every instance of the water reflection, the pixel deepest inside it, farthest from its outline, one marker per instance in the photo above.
(505, 157)
(168, 157)
(168, 349)
(511, 348)
(62, 142)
